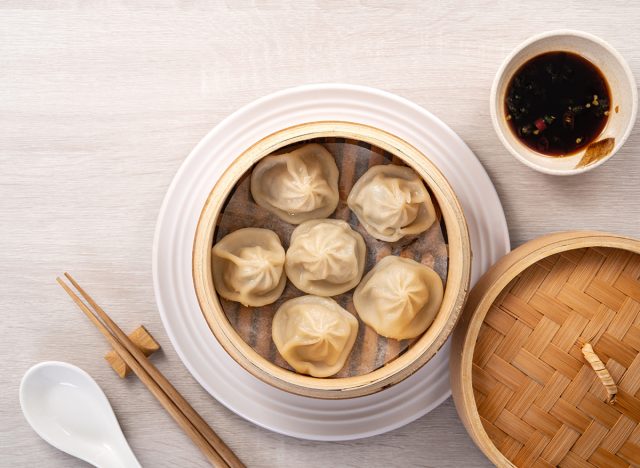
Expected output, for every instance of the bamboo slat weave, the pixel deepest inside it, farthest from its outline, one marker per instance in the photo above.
(538, 399)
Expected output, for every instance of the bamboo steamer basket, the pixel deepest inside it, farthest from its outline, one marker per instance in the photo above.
(425, 347)
(521, 381)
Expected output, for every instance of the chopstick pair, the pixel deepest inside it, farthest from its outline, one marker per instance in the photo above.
(214, 448)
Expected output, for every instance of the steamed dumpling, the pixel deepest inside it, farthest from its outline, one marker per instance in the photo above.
(399, 297)
(314, 335)
(297, 186)
(392, 202)
(247, 266)
(325, 257)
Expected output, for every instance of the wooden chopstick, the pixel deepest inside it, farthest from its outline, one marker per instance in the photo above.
(153, 387)
(189, 420)
(225, 452)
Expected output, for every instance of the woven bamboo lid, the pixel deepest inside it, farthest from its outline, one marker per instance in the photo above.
(521, 381)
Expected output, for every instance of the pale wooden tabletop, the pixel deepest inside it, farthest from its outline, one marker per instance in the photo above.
(99, 105)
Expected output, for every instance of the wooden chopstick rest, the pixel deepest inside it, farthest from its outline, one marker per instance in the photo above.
(143, 341)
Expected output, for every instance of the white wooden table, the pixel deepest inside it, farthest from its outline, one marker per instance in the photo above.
(99, 105)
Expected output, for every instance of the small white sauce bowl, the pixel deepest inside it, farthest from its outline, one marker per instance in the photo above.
(622, 87)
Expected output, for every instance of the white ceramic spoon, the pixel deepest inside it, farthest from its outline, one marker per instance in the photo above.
(68, 409)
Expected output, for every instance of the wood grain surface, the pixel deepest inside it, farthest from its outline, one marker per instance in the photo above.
(100, 102)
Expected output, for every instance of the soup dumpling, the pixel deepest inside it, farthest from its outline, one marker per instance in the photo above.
(399, 297)
(314, 335)
(392, 202)
(297, 186)
(325, 257)
(247, 266)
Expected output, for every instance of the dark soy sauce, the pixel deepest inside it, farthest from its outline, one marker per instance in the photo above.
(557, 103)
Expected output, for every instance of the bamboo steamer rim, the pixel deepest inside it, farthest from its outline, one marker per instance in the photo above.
(481, 298)
(458, 274)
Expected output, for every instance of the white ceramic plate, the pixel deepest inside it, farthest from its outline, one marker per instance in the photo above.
(205, 358)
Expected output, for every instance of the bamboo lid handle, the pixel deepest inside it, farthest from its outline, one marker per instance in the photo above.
(601, 371)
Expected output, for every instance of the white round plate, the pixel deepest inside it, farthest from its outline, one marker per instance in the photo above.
(205, 358)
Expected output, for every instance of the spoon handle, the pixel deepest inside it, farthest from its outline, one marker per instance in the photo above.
(121, 456)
